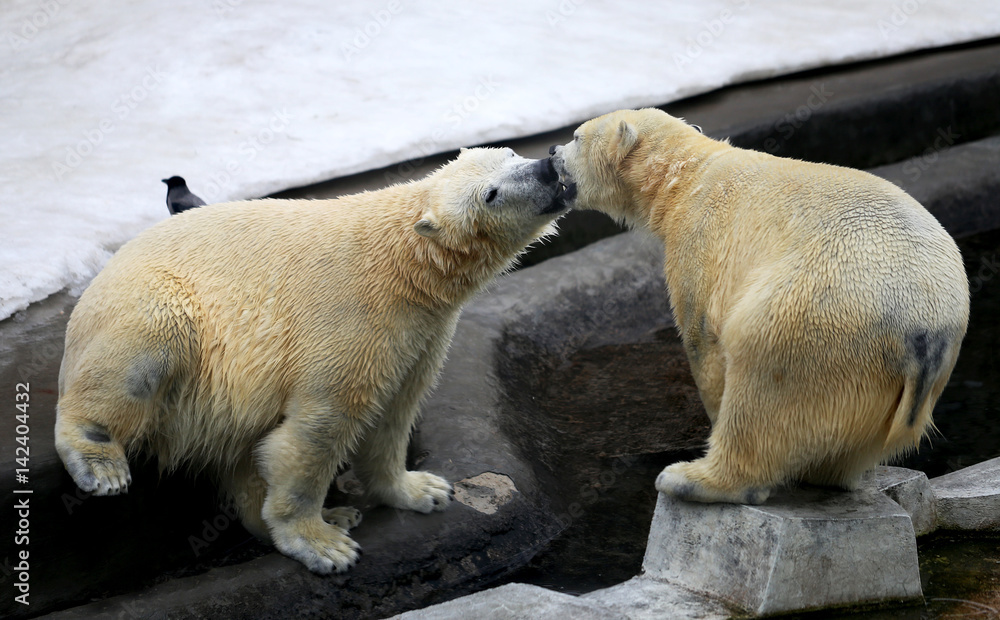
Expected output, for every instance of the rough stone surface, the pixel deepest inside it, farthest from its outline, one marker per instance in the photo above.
(641, 598)
(911, 490)
(516, 601)
(804, 548)
(969, 499)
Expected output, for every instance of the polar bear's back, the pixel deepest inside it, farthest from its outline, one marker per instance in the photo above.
(242, 243)
(826, 234)
(875, 248)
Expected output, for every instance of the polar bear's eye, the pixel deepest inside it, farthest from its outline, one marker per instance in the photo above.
(491, 195)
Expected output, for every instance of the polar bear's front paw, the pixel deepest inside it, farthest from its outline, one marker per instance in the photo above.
(678, 480)
(100, 474)
(347, 517)
(421, 491)
(322, 547)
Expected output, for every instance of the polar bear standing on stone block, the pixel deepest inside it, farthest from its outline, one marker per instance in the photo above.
(821, 308)
(269, 341)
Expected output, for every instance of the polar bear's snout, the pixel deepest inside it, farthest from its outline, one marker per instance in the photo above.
(549, 193)
(558, 162)
(545, 171)
(567, 186)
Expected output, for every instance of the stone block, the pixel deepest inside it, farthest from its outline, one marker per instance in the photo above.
(911, 490)
(641, 598)
(969, 499)
(805, 548)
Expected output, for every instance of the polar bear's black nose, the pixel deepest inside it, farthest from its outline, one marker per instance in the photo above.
(545, 171)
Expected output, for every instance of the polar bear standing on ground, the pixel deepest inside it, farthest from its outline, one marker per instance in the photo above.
(821, 308)
(270, 341)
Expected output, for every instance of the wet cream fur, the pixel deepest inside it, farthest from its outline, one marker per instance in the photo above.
(821, 308)
(268, 342)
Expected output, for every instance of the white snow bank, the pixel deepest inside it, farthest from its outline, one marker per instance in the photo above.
(99, 101)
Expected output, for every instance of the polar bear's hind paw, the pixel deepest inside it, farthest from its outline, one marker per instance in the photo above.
(677, 481)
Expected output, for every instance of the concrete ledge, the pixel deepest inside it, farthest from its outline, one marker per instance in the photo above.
(641, 598)
(516, 601)
(969, 499)
(958, 185)
(804, 549)
(912, 491)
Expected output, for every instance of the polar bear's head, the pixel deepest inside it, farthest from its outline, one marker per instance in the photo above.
(607, 160)
(492, 195)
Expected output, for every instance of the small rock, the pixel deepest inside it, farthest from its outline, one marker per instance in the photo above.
(486, 492)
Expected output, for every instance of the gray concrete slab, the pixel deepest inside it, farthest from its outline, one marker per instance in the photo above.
(958, 183)
(516, 601)
(803, 549)
(912, 491)
(642, 598)
(969, 499)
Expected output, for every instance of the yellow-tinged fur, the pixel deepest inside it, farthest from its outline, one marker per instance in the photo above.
(269, 341)
(822, 308)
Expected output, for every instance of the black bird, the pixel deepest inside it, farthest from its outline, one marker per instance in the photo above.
(179, 197)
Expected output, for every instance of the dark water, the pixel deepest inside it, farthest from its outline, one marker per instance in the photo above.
(612, 407)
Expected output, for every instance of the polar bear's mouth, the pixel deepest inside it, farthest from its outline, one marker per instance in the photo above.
(565, 194)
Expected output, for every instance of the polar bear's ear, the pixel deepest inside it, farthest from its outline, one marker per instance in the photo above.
(427, 228)
(627, 137)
